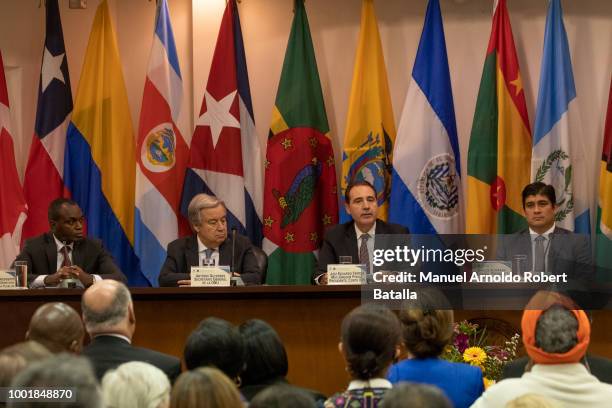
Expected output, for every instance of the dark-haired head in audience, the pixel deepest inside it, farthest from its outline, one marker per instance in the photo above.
(427, 326)
(61, 371)
(205, 387)
(58, 327)
(17, 357)
(216, 342)
(413, 395)
(370, 335)
(283, 396)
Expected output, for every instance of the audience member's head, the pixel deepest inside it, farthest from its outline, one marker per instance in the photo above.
(283, 396)
(265, 355)
(107, 308)
(61, 371)
(58, 327)
(206, 387)
(532, 401)
(215, 342)
(370, 335)
(413, 395)
(555, 331)
(17, 357)
(136, 385)
(427, 324)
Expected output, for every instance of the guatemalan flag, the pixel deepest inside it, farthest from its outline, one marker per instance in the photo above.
(161, 153)
(225, 154)
(558, 151)
(426, 186)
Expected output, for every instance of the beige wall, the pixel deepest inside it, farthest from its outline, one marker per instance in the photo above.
(334, 26)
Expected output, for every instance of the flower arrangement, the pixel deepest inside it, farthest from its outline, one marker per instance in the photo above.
(469, 345)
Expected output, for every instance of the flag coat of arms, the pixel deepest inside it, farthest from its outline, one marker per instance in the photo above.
(300, 191)
(558, 150)
(99, 162)
(604, 210)
(426, 185)
(43, 181)
(161, 153)
(12, 202)
(370, 127)
(225, 153)
(499, 155)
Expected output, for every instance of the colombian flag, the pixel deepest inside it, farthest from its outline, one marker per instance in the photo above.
(370, 127)
(499, 156)
(99, 162)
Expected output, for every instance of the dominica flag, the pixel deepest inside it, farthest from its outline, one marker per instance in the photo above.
(370, 127)
(499, 155)
(300, 197)
(604, 211)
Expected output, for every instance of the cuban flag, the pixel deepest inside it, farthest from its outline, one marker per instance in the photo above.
(558, 152)
(44, 173)
(426, 185)
(161, 152)
(225, 153)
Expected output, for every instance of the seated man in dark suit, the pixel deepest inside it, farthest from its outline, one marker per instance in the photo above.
(209, 245)
(355, 238)
(545, 246)
(108, 313)
(64, 253)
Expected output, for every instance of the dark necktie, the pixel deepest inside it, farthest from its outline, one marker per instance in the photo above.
(66, 253)
(540, 254)
(207, 256)
(364, 255)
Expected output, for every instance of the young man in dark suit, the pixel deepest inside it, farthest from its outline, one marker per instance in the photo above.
(108, 314)
(65, 253)
(209, 245)
(355, 238)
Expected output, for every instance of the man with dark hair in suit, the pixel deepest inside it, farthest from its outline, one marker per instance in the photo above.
(209, 245)
(547, 247)
(108, 314)
(65, 253)
(355, 238)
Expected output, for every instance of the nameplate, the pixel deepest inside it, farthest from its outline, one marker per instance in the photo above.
(345, 274)
(492, 267)
(7, 279)
(219, 276)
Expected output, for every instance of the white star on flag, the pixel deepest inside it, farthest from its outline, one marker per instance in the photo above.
(51, 68)
(217, 115)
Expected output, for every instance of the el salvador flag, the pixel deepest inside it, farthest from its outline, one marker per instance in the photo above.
(558, 152)
(426, 185)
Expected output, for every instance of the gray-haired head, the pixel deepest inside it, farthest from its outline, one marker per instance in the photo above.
(556, 330)
(197, 204)
(64, 371)
(105, 304)
(136, 385)
(413, 395)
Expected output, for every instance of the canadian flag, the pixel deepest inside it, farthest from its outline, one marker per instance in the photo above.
(12, 202)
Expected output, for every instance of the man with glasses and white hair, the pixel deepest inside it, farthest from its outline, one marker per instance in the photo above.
(210, 245)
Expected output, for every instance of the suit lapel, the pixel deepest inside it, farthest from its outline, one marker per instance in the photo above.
(525, 248)
(191, 252)
(51, 250)
(225, 254)
(351, 239)
(77, 254)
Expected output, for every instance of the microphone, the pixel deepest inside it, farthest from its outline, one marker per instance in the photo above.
(233, 248)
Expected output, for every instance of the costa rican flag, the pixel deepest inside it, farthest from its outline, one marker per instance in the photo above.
(225, 154)
(161, 153)
(44, 174)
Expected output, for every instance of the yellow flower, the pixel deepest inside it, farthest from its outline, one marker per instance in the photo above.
(487, 382)
(475, 356)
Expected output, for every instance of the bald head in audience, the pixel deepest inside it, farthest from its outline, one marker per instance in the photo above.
(108, 309)
(58, 327)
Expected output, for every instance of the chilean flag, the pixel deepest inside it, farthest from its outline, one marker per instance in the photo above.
(12, 203)
(162, 153)
(225, 154)
(45, 169)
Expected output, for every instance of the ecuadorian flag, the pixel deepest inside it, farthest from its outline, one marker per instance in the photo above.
(99, 162)
(499, 156)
